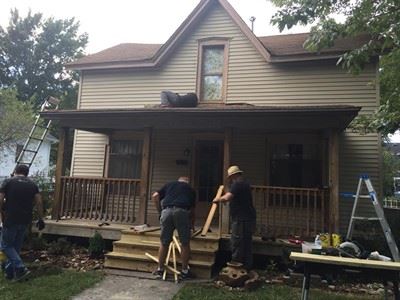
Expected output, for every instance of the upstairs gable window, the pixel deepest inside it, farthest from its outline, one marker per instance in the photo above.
(212, 70)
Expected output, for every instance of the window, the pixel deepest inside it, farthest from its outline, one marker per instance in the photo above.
(296, 165)
(212, 70)
(125, 159)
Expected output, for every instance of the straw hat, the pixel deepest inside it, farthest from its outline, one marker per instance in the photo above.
(233, 170)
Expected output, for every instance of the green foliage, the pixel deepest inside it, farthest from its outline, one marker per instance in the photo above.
(60, 247)
(50, 284)
(96, 246)
(37, 243)
(16, 118)
(46, 186)
(378, 22)
(391, 167)
(33, 54)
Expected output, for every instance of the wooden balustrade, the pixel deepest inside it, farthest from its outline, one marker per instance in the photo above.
(106, 199)
(283, 211)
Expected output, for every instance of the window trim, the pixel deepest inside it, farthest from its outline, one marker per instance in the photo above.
(210, 42)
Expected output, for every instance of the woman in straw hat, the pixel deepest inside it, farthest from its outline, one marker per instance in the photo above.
(243, 216)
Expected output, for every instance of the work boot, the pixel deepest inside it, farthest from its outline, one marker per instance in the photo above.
(22, 274)
(158, 274)
(186, 274)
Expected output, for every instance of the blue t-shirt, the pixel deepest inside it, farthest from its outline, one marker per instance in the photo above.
(177, 193)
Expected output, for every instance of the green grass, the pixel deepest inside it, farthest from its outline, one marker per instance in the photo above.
(266, 292)
(50, 283)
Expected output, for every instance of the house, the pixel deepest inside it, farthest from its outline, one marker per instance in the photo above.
(265, 103)
(40, 166)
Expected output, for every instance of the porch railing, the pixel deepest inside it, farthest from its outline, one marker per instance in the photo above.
(106, 199)
(283, 211)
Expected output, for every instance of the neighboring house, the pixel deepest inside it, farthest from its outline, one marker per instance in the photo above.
(41, 164)
(265, 104)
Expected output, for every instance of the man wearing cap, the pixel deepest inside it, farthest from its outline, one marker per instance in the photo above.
(243, 216)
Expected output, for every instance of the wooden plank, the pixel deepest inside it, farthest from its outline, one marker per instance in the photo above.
(63, 133)
(174, 262)
(167, 260)
(173, 270)
(176, 242)
(333, 181)
(227, 161)
(347, 261)
(145, 172)
(212, 211)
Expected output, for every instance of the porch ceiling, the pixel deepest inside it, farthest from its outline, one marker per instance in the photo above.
(208, 117)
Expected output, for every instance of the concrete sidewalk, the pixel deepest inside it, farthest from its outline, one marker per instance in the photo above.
(120, 285)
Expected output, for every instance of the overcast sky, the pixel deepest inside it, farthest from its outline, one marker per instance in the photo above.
(109, 23)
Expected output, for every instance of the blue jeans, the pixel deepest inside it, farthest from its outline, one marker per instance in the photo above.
(12, 238)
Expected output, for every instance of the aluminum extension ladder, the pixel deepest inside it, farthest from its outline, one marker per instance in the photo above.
(36, 135)
(379, 212)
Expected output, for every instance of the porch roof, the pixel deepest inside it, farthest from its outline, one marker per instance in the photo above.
(208, 117)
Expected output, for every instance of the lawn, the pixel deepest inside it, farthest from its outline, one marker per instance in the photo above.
(49, 283)
(266, 292)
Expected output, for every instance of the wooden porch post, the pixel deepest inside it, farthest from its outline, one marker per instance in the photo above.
(60, 169)
(227, 161)
(333, 181)
(144, 178)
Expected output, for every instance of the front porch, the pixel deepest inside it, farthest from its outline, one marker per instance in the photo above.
(281, 211)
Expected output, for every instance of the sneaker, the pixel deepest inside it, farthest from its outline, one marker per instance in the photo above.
(158, 274)
(22, 274)
(186, 274)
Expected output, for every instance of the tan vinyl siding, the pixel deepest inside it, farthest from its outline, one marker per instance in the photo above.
(359, 154)
(88, 154)
(251, 80)
(168, 146)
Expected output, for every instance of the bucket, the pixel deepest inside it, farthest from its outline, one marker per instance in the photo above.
(307, 247)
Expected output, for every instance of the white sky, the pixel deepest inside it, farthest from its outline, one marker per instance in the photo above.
(109, 23)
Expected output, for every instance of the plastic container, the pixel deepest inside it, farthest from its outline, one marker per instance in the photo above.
(307, 247)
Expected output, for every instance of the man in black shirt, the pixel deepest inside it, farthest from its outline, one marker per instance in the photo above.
(175, 203)
(17, 197)
(243, 217)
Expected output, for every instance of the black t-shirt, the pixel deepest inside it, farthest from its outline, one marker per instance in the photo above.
(241, 206)
(19, 193)
(177, 193)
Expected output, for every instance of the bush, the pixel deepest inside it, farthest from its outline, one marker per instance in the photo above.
(38, 243)
(96, 246)
(60, 247)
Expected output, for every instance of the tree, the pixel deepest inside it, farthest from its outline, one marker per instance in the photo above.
(33, 54)
(391, 167)
(380, 19)
(16, 118)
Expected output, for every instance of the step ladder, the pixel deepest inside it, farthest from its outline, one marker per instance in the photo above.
(37, 134)
(379, 213)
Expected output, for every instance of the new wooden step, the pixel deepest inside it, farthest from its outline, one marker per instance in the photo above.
(152, 248)
(138, 262)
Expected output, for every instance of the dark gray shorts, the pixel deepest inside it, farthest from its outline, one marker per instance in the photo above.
(175, 218)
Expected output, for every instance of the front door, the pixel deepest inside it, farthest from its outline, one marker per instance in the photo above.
(208, 175)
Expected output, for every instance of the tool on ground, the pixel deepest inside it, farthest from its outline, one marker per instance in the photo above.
(212, 212)
(378, 210)
(36, 135)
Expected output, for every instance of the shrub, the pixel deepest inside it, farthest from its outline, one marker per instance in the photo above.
(60, 247)
(96, 246)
